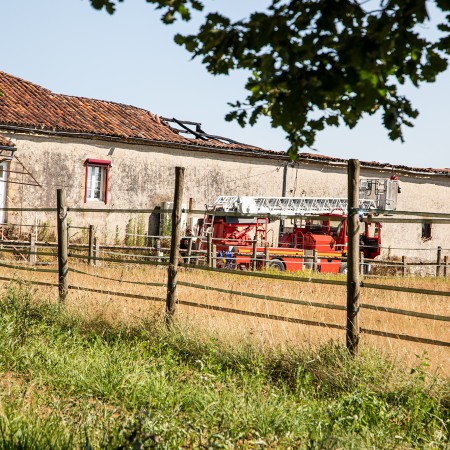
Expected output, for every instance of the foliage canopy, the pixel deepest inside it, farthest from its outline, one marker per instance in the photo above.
(318, 63)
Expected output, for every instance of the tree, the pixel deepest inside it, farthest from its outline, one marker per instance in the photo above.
(318, 63)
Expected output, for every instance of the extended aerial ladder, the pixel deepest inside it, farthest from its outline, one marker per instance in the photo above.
(375, 194)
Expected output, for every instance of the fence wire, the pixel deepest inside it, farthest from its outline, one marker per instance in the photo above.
(27, 268)
(318, 305)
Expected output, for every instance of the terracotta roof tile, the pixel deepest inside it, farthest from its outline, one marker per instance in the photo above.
(28, 105)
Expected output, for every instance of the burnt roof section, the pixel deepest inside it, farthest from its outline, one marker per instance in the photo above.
(187, 126)
(28, 105)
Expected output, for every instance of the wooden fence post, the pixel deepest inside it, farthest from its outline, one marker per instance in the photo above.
(253, 261)
(353, 281)
(158, 249)
(214, 256)
(210, 249)
(32, 257)
(266, 255)
(174, 245)
(404, 266)
(96, 252)
(91, 245)
(438, 261)
(361, 264)
(63, 248)
(189, 250)
(445, 265)
(314, 264)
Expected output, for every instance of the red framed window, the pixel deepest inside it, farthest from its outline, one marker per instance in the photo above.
(96, 180)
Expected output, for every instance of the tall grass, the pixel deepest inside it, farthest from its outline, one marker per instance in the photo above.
(73, 382)
(264, 332)
(268, 333)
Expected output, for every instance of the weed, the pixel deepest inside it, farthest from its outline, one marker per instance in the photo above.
(140, 231)
(117, 236)
(45, 233)
(130, 232)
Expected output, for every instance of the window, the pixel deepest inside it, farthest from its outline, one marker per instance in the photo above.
(96, 183)
(426, 231)
(97, 172)
(372, 230)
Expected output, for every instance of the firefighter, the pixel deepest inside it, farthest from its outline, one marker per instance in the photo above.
(229, 259)
(184, 245)
(395, 178)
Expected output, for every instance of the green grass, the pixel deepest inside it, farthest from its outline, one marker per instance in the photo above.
(67, 382)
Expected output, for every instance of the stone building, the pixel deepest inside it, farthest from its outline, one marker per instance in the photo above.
(109, 155)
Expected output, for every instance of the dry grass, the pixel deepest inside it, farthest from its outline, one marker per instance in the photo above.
(265, 333)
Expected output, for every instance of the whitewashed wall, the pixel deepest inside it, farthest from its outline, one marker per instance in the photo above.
(142, 176)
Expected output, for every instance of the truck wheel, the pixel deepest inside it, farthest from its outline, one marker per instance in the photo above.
(277, 265)
(343, 269)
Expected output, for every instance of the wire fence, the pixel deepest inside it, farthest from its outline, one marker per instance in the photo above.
(257, 258)
(198, 259)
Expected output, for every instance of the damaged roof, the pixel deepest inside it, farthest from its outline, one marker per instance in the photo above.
(25, 104)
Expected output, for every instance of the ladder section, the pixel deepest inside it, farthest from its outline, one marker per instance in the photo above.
(208, 223)
(374, 193)
(285, 206)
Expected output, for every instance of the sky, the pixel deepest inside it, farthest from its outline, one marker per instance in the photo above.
(70, 48)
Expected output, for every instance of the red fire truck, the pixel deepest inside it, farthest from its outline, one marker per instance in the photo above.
(239, 227)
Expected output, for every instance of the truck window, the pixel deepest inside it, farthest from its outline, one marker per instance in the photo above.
(372, 230)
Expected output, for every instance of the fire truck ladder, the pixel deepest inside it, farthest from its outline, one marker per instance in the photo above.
(374, 193)
(285, 207)
(208, 222)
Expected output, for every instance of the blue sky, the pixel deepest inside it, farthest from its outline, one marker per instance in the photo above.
(69, 48)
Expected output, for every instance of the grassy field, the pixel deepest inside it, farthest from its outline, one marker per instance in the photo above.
(265, 333)
(99, 375)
